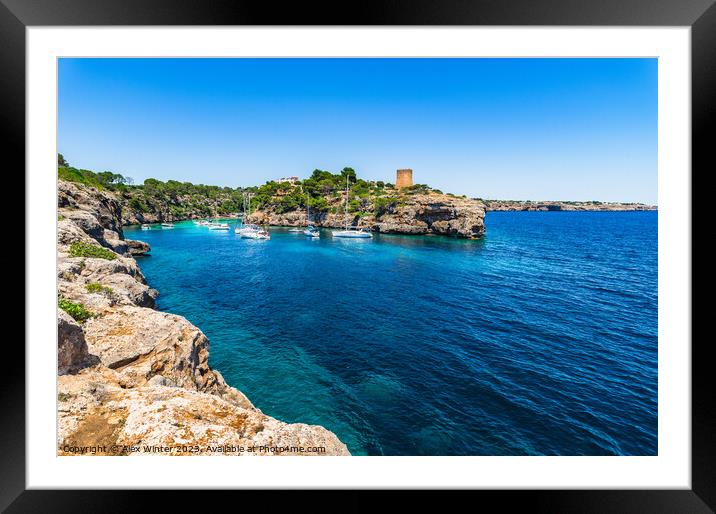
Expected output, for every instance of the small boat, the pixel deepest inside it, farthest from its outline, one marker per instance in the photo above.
(219, 226)
(311, 231)
(146, 227)
(356, 233)
(247, 229)
(256, 234)
(167, 225)
(351, 232)
(203, 223)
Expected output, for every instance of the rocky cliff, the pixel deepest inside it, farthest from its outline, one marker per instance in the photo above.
(134, 380)
(424, 213)
(177, 208)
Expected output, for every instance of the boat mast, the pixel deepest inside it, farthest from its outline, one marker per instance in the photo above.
(346, 202)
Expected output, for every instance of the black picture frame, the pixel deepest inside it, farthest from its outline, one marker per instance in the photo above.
(700, 15)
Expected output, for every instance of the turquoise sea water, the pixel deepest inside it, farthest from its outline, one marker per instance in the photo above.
(540, 339)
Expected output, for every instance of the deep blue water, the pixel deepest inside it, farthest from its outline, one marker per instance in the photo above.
(540, 339)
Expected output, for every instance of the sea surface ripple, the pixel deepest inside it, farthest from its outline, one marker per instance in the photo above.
(540, 339)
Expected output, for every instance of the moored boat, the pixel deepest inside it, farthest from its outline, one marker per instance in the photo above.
(256, 234)
(357, 233)
(247, 229)
(351, 232)
(311, 231)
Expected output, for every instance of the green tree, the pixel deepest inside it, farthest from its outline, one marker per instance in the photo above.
(109, 179)
(350, 173)
(61, 161)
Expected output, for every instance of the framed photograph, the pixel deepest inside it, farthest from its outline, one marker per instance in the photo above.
(432, 246)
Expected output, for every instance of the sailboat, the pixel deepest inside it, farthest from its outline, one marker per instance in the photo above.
(250, 231)
(245, 228)
(355, 233)
(310, 231)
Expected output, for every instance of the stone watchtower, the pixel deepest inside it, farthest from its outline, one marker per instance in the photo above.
(404, 178)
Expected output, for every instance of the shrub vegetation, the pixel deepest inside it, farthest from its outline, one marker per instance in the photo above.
(82, 249)
(96, 287)
(76, 310)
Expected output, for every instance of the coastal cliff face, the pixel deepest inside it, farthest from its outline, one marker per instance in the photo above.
(131, 376)
(419, 214)
(173, 209)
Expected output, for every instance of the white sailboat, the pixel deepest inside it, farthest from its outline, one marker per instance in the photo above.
(167, 225)
(250, 231)
(244, 228)
(353, 233)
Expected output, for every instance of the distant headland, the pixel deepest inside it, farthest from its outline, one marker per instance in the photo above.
(529, 205)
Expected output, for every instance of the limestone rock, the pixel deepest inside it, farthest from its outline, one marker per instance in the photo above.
(72, 354)
(99, 405)
(69, 232)
(417, 214)
(104, 207)
(137, 247)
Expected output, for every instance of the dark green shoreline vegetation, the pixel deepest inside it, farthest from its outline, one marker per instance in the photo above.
(323, 192)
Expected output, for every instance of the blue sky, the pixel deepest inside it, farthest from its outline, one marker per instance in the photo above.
(539, 129)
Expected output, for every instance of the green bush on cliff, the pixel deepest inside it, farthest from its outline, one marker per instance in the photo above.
(82, 249)
(137, 204)
(85, 177)
(385, 205)
(76, 310)
(96, 287)
(318, 204)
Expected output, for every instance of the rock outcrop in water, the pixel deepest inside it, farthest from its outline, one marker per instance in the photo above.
(419, 214)
(131, 377)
